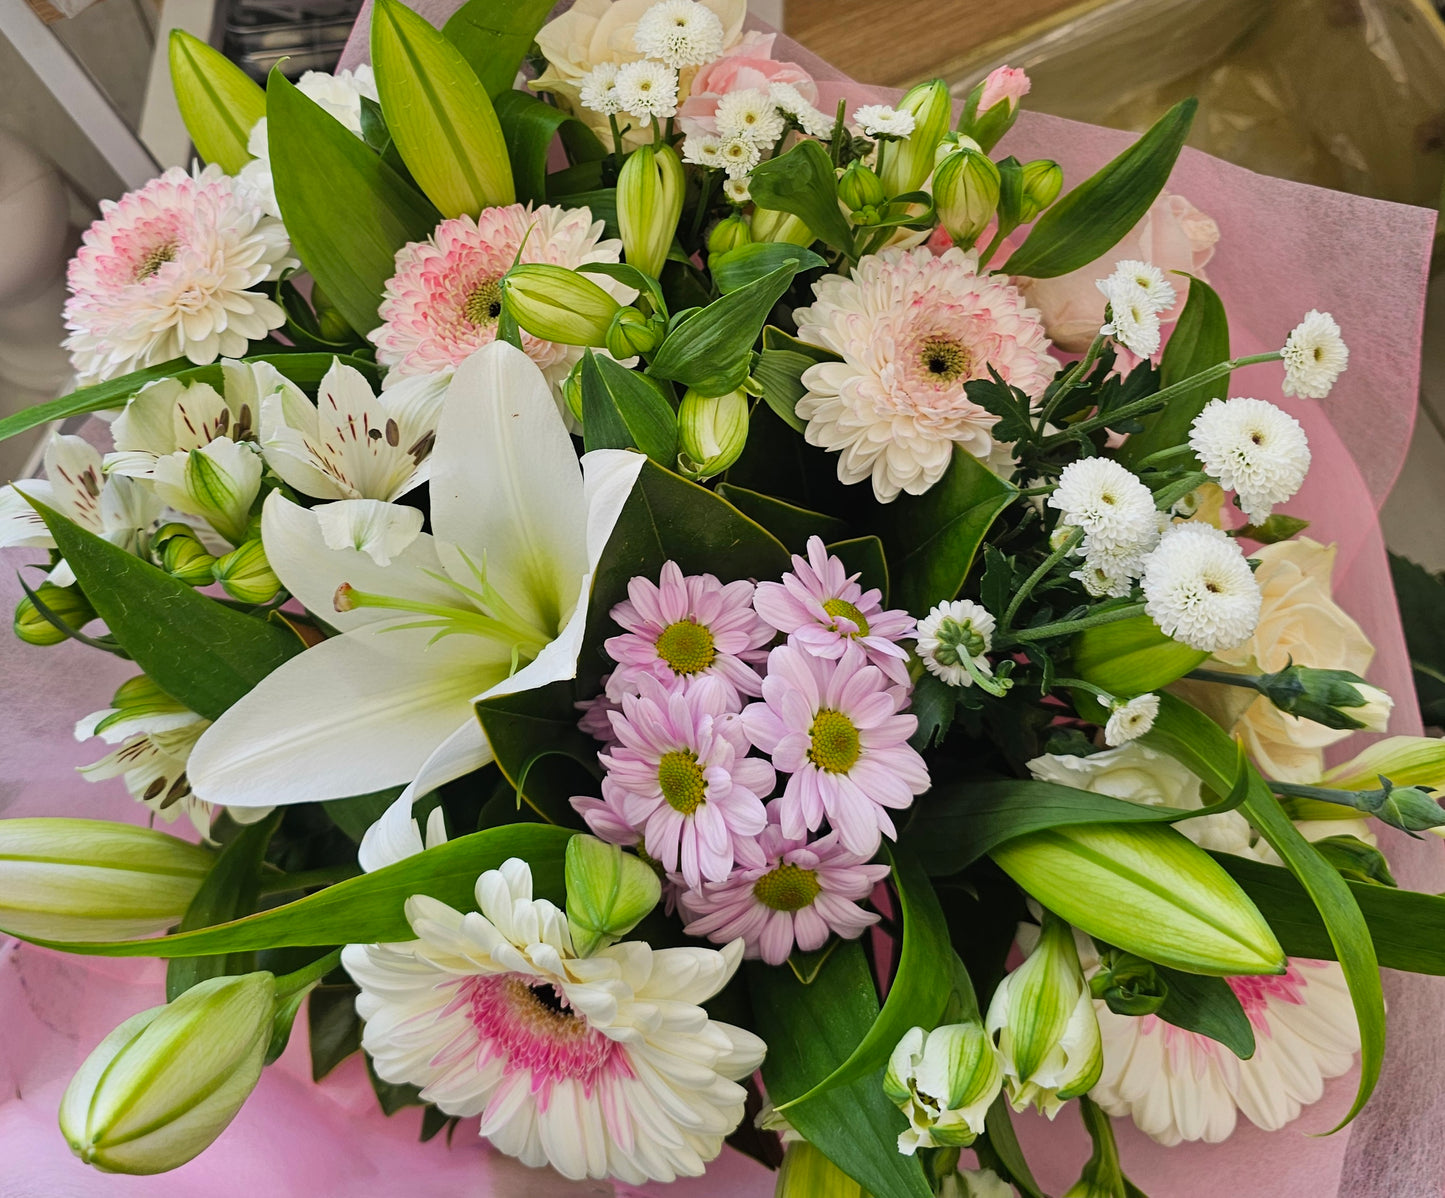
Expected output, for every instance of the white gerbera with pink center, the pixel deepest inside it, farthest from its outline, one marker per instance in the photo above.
(604, 1066)
(835, 727)
(681, 775)
(685, 628)
(446, 296)
(822, 608)
(912, 330)
(171, 271)
(1179, 1085)
(796, 894)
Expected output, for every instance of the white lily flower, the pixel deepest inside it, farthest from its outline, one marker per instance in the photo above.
(380, 530)
(352, 443)
(519, 528)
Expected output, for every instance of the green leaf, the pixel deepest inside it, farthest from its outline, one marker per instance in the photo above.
(369, 908)
(356, 814)
(1421, 596)
(1131, 657)
(748, 263)
(229, 892)
(392, 1096)
(932, 538)
(780, 368)
(803, 182)
(346, 211)
(792, 525)
(810, 1031)
(198, 651)
(530, 127)
(1280, 526)
(494, 36)
(333, 1027)
(711, 350)
(219, 102)
(601, 203)
(540, 750)
(864, 556)
(1200, 340)
(1202, 746)
(622, 409)
(1092, 218)
(1208, 1006)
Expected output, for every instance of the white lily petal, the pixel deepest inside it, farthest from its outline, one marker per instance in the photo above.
(380, 530)
(248, 385)
(20, 524)
(609, 476)
(199, 416)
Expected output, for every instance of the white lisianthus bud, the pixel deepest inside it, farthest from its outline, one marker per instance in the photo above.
(712, 432)
(944, 1081)
(907, 163)
(649, 202)
(1042, 1015)
(608, 892)
(965, 193)
(557, 304)
(85, 879)
(160, 1088)
(217, 482)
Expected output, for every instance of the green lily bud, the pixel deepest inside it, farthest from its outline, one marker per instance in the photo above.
(1043, 1017)
(1043, 179)
(807, 1173)
(333, 326)
(631, 333)
(771, 225)
(608, 893)
(730, 233)
(650, 190)
(1407, 760)
(160, 1088)
(67, 604)
(572, 391)
(712, 432)
(246, 575)
(944, 1081)
(1128, 984)
(218, 482)
(1334, 698)
(860, 187)
(1131, 657)
(907, 163)
(183, 556)
(86, 879)
(558, 304)
(965, 193)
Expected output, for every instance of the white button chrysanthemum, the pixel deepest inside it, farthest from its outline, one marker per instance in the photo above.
(796, 105)
(604, 1066)
(1144, 275)
(739, 155)
(1115, 510)
(952, 631)
(1131, 720)
(703, 149)
(879, 120)
(1199, 588)
(1315, 355)
(599, 89)
(737, 191)
(647, 89)
(750, 113)
(682, 33)
(1133, 318)
(1254, 449)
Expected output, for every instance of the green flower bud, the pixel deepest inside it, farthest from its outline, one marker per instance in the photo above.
(86, 879)
(650, 191)
(729, 234)
(944, 1081)
(608, 893)
(557, 304)
(572, 391)
(771, 225)
(906, 164)
(332, 325)
(1043, 179)
(992, 107)
(1335, 698)
(1129, 985)
(860, 187)
(160, 1088)
(183, 556)
(632, 333)
(67, 604)
(246, 575)
(712, 432)
(807, 1173)
(218, 482)
(1131, 657)
(965, 193)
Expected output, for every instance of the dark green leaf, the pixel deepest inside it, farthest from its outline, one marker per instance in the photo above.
(434, 1121)
(1001, 1139)
(1421, 596)
(1208, 1006)
(540, 750)
(1009, 404)
(1278, 527)
(356, 814)
(622, 409)
(602, 203)
(864, 557)
(530, 127)
(934, 703)
(748, 263)
(393, 1096)
(779, 369)
(790, 524)
(802, 181)
(806, 966)
(333, 1027)
(494, 35)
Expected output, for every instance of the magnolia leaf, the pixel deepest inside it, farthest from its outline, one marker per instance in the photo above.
(792, 525)
(219, 102)
(864, 556)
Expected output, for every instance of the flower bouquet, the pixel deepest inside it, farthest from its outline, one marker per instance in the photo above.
(677, 613)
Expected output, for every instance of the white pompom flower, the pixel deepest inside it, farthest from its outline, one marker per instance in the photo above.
(1118, 516)
(793, 103)
(951, 632)
(1130, 720)
(1254, 449)
(1199, 588)
(1315, 355)
(739, 155)
(879, 120)
(681, 33)
(1133, 318)
(703, 149)
(750, 113)
(1131, 272)
(647, 89)
(737, 191)
(599, 89)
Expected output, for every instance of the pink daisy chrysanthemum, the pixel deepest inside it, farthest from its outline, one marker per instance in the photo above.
(595, 718)
(912, 330)
(682, 777)
(687, 628)
(442, 304)
(168, 271)
(799, 894)
(835, 727)
(821, 607)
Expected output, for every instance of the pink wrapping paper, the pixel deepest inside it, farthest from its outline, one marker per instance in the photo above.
(1284, 248)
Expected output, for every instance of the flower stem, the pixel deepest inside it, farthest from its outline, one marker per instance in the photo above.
(1079, 684)
(1038, 575)
(1247, 681)
(1167, 497)
(308, 975)
(1064, 627)
(1067, 383)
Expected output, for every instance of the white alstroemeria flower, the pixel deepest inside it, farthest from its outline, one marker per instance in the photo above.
(519, 528)
(352, 443)
(114, 508)
(218, 482)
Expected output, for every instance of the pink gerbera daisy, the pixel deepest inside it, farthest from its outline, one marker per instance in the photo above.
(798, 893)
(442, 304)
(821, 607)
(834, 726)
(682, 777)
(685, 629)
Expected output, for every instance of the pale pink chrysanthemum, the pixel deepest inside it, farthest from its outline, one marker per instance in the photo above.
(442, 304)
(821, 607)
(685, 629)
(799, 893)
(681, 776)
(835, 727)
(912, 330)
(595, 720)
(168, 271)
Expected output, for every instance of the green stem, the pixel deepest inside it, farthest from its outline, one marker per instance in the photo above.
(308, 975)
(1070, 379)
(1064, 627)
(306, 879)
(1104, 697)
(992, 247)
(1058, 555)
(1163, 455)
(616, 137)
(1167, 497)
(704, 198)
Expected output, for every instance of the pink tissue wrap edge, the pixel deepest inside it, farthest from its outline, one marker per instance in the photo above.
(295, 1139)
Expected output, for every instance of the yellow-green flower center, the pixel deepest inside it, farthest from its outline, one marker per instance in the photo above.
(957, 639)
(841, 607)
(943, 358)
(154, 260)
(681, 780)
(687, 647)
(484, 305)
(787, 888)
(835, 742)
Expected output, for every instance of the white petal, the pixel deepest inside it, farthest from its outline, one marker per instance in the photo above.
(73, 468)
(287, 421)
(380, 530)
(146, 426)
(20, 524)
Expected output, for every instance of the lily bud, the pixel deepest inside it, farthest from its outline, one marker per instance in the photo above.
(965, 194)
(807, 1173)
(631, 333)
(1043, 179)
(86, 879)
(218, 482)
(557, 304)
(572, 391)
(182, 555)
(67, 604)
(771, 225)
(160, 1088)
(1131, 657)
(712, 432)
(860, 187)
(246, 575)
(730, 233)
(993, 106)
(608, 892)
(907, 163)
(1406, 760)
(944, 1081)
(1334, 698)
(332, 324)
(1129, 985)
(650, 190)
